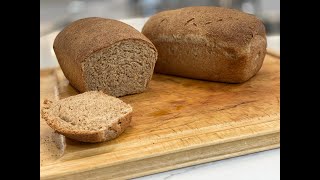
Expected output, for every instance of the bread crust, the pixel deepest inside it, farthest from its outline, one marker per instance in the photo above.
(209, 43)
(85, 36)
(109, 133)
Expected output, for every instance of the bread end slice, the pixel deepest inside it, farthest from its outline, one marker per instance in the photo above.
(88, 117)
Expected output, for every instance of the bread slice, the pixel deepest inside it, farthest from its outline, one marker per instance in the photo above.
(124, 68)
(104, 54)
(88, 117)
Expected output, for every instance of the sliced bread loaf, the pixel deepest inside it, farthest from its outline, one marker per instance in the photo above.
(88, 117)
(104, 54)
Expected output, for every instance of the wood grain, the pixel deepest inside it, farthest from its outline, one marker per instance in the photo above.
(52, 144)
(177, 122)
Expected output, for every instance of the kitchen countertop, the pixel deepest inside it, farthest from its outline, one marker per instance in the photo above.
(262, 165)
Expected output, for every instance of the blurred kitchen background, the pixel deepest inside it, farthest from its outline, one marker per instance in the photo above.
(56, 14)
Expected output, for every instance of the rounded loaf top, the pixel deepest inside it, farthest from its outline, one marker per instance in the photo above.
(85, 36)
(207, 43)
(227, 25)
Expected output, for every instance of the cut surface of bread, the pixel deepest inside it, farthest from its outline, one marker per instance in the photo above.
(88, 117)
(124, 68)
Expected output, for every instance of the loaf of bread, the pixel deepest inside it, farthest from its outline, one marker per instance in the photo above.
(209, 43)
(104, 54)
(88, 117)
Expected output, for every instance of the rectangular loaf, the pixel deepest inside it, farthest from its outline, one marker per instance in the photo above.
(209, 43)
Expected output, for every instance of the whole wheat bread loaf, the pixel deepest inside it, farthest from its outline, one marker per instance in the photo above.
(104, 54)
(88, 117)
(209, 43)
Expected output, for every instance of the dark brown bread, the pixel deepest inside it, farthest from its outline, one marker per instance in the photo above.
(210, 43)
(104, 54)
(88, 117)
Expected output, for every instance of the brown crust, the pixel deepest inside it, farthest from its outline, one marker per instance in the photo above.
(110, 132)
(210, 43)
(86, 36)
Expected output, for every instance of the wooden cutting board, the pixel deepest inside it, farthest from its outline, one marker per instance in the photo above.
(177, 122)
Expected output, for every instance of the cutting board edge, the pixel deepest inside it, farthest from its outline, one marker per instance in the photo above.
(256, 144)
(216, 158)
(269, 130)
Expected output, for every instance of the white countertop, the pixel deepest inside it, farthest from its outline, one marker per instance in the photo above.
(259, 166)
